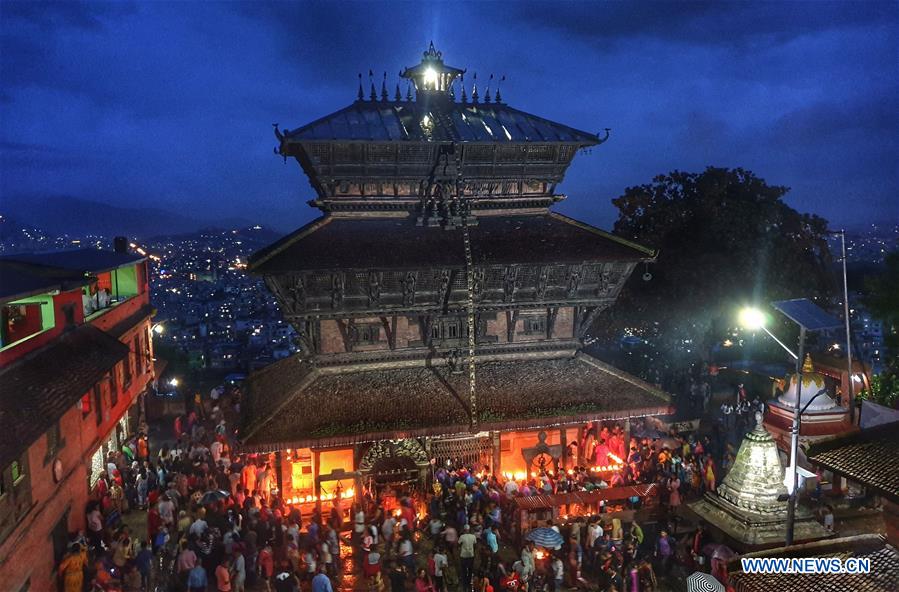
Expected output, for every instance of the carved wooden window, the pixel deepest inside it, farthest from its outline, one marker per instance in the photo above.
(540, 153)
(510, 154)
(381, 153)
(347, 153)
(479, 154)
(535, 325)
(319, 153)
(369, 333)
(566, 153)
(449, 329)
(414, 153)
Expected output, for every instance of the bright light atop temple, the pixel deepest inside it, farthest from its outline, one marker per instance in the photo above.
(431, 77)
(752, 318)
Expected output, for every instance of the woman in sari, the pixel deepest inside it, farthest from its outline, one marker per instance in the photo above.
(71, 570)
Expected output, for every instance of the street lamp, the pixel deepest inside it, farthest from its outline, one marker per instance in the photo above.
(754, 319)
(173, 382)
(809, 317)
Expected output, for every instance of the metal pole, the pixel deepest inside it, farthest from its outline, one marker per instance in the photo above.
(780, 343)
(851, 395)
(794, 442)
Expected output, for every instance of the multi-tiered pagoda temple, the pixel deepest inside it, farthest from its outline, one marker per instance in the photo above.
(440, 303)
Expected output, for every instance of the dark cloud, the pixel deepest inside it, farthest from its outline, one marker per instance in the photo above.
(53, 15)
(170, 104)
(703, 23)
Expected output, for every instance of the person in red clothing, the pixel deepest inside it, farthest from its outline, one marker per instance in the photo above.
(267, 565)
(154, 522)
(407, 513)
(223, 576)
(153, 497)
(143, 448)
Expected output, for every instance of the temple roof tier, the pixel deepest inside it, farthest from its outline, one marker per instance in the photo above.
(295, 404)
(384, 243)
(430, 121)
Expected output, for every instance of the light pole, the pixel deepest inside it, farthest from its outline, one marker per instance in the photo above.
(851, 395)
(809, 317)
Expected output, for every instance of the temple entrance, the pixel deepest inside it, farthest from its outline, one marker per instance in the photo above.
(543, 456)
(393, 469)
(393, 478)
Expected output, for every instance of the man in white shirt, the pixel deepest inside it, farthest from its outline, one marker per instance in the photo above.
(440, 563)
(215, 449)
(166, 510)
(467, 543)
(387, 528)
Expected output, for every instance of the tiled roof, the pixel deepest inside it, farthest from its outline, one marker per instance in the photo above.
(291, 404)
(868, 457)
(38, 389)
(883, 576)
(437, 121)
(340, 243)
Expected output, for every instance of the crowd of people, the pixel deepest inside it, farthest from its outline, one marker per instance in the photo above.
(215, 521)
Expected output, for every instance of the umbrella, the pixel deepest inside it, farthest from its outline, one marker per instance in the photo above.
(545, 537)
(702, 582)
(210, 497)
(716, 551)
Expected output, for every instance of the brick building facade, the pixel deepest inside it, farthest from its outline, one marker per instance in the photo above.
(75, 361)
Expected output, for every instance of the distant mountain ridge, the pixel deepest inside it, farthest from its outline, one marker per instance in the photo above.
(77, 216)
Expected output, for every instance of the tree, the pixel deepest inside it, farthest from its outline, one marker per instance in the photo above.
(882, 299)
(725, 238)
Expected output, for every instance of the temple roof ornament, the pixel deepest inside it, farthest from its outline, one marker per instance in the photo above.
(432, 76)
(812, 384)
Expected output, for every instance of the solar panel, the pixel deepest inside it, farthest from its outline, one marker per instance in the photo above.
(807, 314)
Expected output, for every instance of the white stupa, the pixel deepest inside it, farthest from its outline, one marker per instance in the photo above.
(812, 384)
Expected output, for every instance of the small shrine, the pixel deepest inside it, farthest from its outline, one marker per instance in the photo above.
(825, 416)
(746, 509)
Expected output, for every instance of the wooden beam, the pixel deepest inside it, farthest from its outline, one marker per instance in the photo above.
(551, 314)
(348, 333)
(390, 330)
(590, 314)
(511, 321)
(316, 467)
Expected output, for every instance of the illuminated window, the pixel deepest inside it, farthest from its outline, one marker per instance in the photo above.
(17, 470)
(20, 321)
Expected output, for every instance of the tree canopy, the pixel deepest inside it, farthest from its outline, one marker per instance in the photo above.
(725, 238)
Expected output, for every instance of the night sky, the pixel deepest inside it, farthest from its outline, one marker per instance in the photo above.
(170, 104)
